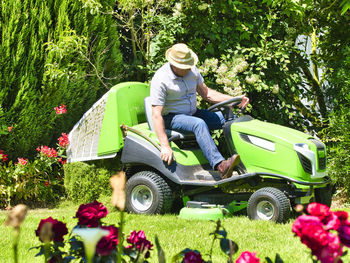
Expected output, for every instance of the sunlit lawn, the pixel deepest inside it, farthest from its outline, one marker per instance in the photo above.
(174, 234)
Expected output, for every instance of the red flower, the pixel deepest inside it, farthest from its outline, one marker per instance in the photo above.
(106, 245)
(46, 183)
(139, 241)
(63, 162)
(61, 109)
(3, 156)
(59, 229)
(247, 257)
(10, 128)
(49, 152)
(22, 161)
(314, 236)
(192, 257)
(63, 141)
(90, 214)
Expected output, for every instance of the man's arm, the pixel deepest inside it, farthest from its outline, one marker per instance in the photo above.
(166, 152)
(214, 96)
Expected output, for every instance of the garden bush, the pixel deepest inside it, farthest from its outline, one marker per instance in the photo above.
(85, 182)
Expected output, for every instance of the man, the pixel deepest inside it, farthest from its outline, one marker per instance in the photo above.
(174, 106)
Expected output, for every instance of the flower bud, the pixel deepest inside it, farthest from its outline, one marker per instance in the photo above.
(16, 216)
(118, 185)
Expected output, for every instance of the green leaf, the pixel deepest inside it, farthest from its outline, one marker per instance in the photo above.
(228, 245)
(161, 254)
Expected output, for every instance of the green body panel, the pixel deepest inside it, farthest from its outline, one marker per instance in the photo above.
(183, 157)
(284, 160)
(125, 105)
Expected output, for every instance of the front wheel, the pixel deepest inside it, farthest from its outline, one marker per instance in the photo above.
(269, 204)
(147, 193)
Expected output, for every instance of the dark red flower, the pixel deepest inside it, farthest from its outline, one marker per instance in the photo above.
(138, 240)
(192, 257)
(59, 229)
(90, 214)
(61, 109)
(344, 234)
(106, 245)
(63, 141)
(247, 257)
(46, 183)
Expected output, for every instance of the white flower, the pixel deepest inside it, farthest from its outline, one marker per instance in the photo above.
(90, 238)
(222, 69)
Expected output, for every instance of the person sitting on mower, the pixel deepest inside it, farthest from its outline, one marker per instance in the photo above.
(174, 106)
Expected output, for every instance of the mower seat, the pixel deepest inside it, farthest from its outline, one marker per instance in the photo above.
(172, 135)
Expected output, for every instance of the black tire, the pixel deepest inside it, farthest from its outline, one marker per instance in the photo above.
(269, 204)
(324, 196)
(147, 193)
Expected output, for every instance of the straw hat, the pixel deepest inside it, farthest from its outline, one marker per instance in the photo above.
(180, 56)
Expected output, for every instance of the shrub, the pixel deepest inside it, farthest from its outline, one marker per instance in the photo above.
(86, 182)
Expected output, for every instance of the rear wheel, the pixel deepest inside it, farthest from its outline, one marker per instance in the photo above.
(148, 193)
(269, 204)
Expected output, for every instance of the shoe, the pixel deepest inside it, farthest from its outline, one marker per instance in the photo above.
(226, 167)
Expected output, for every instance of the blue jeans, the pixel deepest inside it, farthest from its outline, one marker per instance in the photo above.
(200, 124)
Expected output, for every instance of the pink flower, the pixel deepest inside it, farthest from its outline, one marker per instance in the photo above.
(61, 109)
(331, 251)
(90, 214)
(3, 157)
(59, 229)
(247, 257)
(10, 128)
(138, 240)
(22, 161)
(303, 221)
(106, 245)
(319, 210)
(63, 141)
(192, 257)
(49, 152)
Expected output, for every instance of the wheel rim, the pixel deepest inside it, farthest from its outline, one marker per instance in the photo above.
(141, 197)
(265, 210)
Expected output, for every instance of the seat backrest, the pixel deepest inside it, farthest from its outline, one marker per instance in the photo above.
(148, 112)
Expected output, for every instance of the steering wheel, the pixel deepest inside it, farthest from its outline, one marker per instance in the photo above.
(226, 107)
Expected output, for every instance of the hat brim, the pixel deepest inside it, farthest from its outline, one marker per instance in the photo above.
(187, 65)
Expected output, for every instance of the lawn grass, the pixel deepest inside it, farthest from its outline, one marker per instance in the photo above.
(174, 234)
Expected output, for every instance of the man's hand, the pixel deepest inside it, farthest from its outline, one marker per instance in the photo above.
(166, 154)
(244, 102)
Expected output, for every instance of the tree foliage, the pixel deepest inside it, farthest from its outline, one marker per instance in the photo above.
(53, 53)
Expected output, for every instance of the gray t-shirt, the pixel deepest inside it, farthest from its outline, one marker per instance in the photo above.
(175, 94)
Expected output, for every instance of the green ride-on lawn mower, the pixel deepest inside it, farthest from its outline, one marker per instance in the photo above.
(280, 167)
